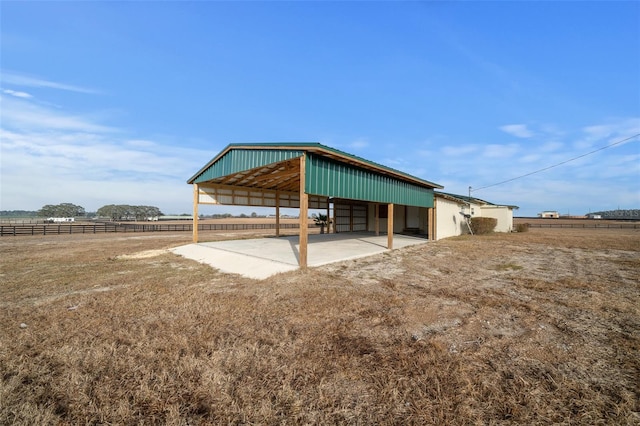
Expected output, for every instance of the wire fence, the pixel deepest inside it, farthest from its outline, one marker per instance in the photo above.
(634, 225)
(104, 227)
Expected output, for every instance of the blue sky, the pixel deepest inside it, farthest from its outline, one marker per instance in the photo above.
(121, 102)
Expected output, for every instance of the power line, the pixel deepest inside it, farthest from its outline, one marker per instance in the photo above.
(559, 164)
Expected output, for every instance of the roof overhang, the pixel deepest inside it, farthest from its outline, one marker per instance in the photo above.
(463, 199)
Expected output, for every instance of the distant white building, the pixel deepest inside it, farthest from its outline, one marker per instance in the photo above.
(549, 215)
(60, 219)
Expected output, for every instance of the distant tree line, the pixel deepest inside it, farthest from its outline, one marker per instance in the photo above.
(61, 210)
(127, 212)
(112, 211)
(115, 212)
(18, 213)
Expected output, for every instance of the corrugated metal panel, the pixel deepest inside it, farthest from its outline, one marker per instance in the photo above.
(334, 179)
(350, 217)
(359, 214)
(237, 160)
(343, 217)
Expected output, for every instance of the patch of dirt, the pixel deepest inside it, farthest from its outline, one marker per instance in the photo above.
(143, 254)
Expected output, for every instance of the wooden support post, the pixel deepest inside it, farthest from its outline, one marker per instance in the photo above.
(304, 213)
(277, 213)
(196, 201)
(390, 227)
(377, 219)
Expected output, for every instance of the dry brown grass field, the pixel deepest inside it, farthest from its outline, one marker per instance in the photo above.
(533, 328)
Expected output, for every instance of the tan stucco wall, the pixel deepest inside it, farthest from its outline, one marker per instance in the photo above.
(449, 221)
(503, 214)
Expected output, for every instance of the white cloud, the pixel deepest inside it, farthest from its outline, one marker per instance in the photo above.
(598, 132)
(500, 151)
(50, 157)
(603, 133)
(141, 143)
(92, 157)
(552, 130)
(21, 114)
(530, 158)
(591, 183)
(620, 167)
(30, 81)
(549, 146)
(17, 94)
(565, 195)
(458, 150)
(359, 144)
(517, 130)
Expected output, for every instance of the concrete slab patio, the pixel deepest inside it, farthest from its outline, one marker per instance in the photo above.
(262, 257)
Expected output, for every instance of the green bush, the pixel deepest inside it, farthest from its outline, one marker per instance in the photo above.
(522, 227)
(483, 225)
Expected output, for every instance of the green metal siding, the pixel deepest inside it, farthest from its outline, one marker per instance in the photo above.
(333, 179)
(238, 160)
(324, 177)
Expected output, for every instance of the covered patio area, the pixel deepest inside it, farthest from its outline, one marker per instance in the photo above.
(311, 176)
(262, 257)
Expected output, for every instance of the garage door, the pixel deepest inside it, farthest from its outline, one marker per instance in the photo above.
(351, 217)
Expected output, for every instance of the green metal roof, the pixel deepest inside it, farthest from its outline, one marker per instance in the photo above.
(298, 148)
(329, 172)
(232, 160)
